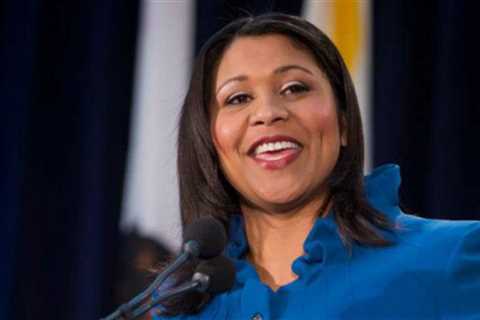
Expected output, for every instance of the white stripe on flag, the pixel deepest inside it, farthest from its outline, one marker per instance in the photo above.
(162, 68)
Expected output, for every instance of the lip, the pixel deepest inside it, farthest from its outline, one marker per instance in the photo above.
(285, 156)
(266, 139)
(284, 159)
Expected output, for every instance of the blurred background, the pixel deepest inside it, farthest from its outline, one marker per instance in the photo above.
(90, 93)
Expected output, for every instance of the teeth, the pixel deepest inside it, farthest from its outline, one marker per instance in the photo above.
(275, 146)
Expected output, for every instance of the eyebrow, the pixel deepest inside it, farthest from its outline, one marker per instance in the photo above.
(278, 70)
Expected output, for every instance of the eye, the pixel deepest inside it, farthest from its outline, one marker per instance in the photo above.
(294, 87)
(238, 98)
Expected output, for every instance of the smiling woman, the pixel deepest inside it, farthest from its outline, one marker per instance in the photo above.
(270, 142)
(283, 68)
(276, 131)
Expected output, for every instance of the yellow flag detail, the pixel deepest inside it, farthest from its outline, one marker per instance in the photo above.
(347, 31)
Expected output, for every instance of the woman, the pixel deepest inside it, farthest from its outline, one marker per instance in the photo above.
(270, 142)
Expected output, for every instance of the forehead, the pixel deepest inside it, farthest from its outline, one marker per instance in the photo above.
(257, 54)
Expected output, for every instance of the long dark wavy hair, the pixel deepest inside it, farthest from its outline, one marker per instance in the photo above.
(204, 189)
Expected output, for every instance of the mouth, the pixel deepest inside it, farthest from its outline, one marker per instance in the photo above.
(275, 152)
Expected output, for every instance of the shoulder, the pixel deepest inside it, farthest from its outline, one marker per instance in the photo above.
(462, 272)
(434, 242)
(451, 251)
(436, 247)
(415, 233)
(444, 235)
(450, 230)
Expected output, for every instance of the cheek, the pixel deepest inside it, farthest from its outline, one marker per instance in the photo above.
(225, 134)
(321, 121)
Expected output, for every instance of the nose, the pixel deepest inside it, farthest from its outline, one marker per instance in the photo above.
(268, 111)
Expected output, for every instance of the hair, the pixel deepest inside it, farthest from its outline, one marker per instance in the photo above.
(204, 190)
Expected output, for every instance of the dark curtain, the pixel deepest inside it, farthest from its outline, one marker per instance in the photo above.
(65, 102)
(212, 15)
(426, 106)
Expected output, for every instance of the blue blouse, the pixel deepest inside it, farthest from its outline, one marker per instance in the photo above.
(432, 270)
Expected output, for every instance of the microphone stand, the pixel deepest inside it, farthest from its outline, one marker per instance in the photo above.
(191, 249)
(199, 282)
(186, 287)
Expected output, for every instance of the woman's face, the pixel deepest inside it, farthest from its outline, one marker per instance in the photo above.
(274, 123)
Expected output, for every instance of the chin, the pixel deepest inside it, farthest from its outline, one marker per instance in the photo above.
(280, 202)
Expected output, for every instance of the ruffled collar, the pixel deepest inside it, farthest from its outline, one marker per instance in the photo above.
(381, 186)
(323, 244)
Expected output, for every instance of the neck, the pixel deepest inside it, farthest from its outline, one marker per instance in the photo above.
(276, 240)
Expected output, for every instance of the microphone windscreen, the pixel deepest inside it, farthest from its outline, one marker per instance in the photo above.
(210, 235)
(220, 271)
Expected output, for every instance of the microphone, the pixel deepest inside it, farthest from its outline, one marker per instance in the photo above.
(215, 275)
(204, 238)
(211, 276)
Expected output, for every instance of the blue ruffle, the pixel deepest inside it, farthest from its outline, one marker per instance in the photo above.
(323, 244)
